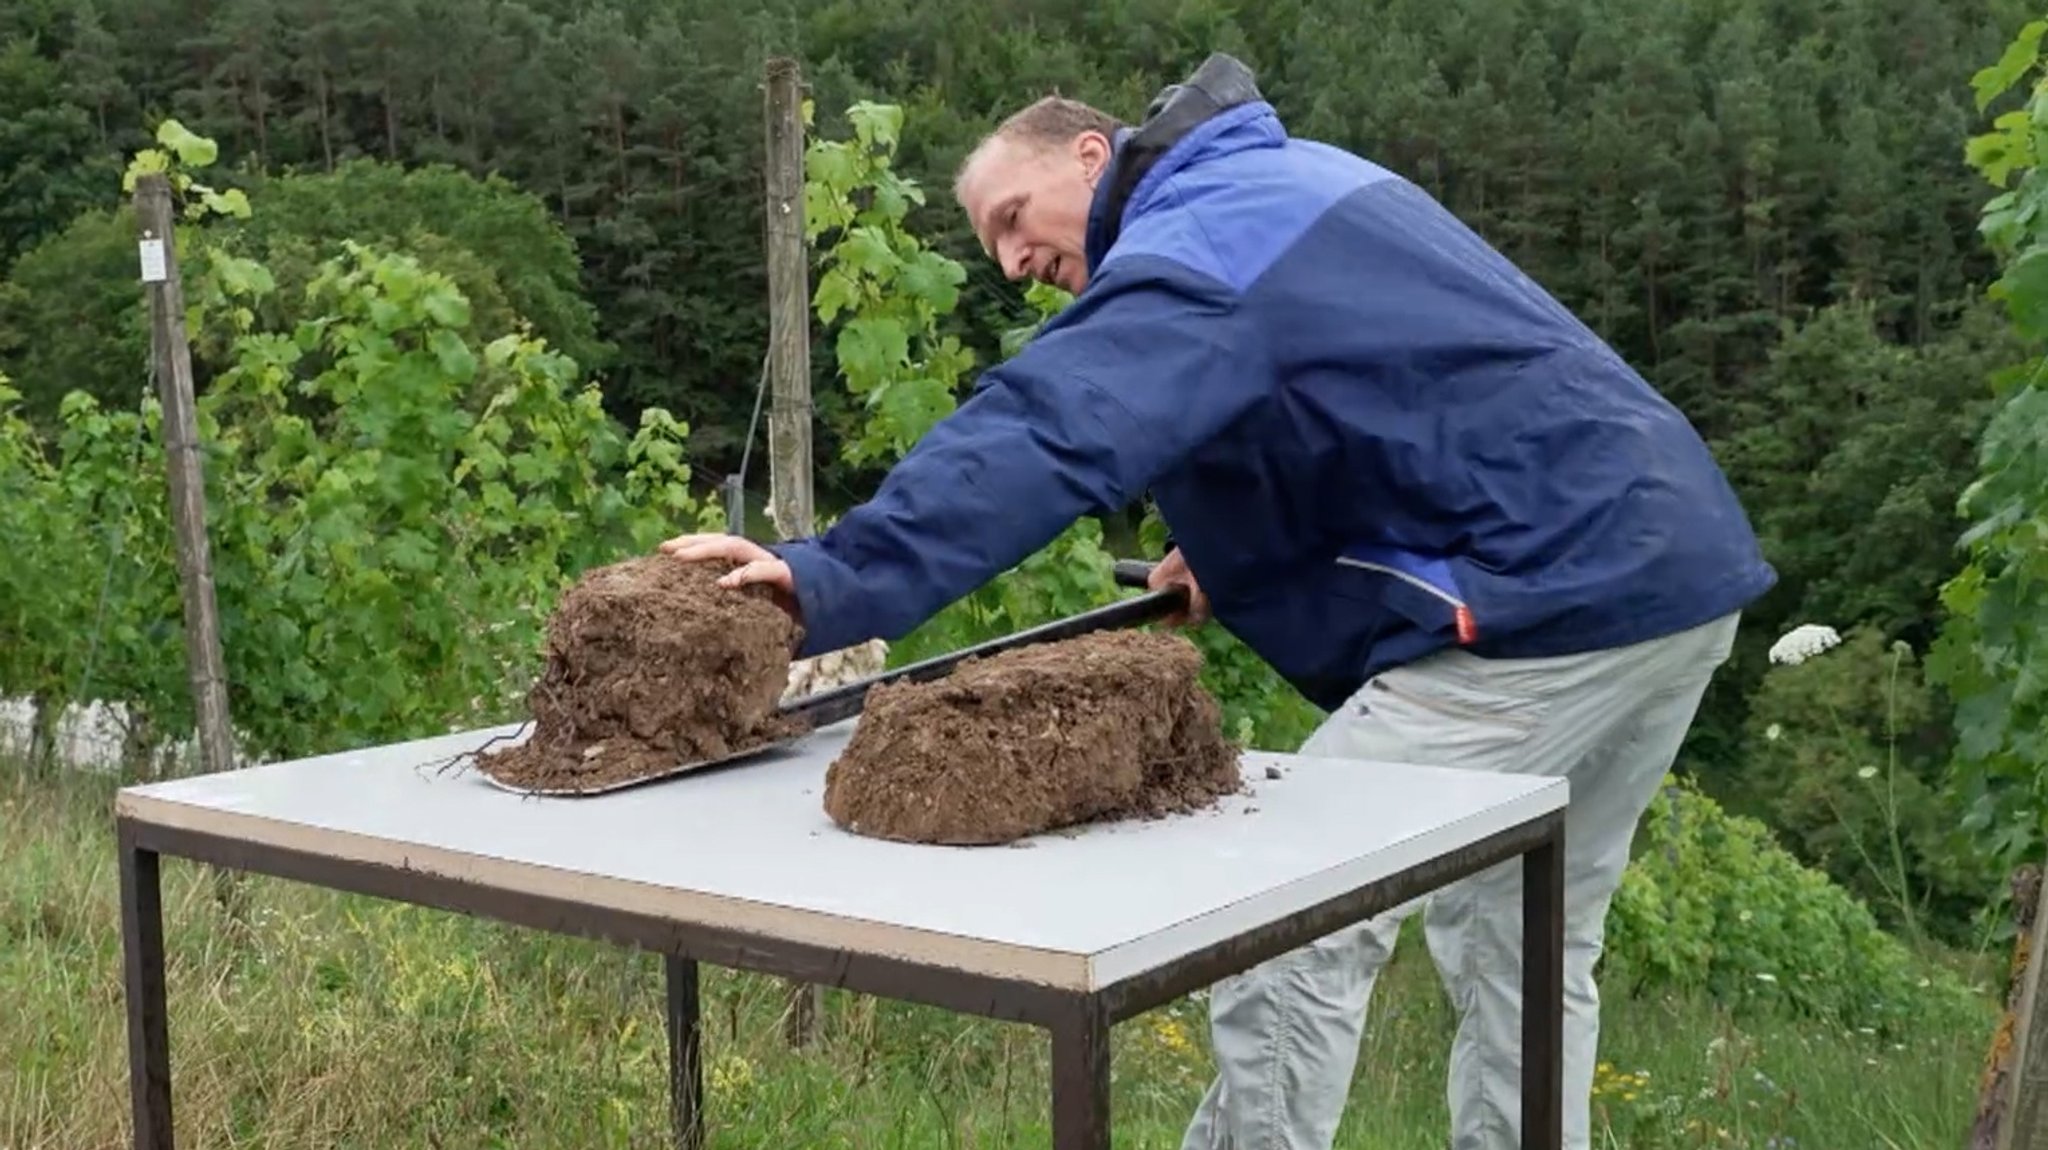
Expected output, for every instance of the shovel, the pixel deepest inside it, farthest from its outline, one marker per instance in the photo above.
(843, 702)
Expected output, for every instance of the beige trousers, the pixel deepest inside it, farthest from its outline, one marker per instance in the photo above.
(1287, 1032)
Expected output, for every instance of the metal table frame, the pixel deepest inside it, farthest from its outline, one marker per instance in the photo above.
(1078, 1022)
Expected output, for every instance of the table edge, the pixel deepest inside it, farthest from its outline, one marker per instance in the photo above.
(934, 950)
(1138, 957)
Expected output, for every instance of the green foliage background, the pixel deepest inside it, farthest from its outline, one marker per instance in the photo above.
(477, 296)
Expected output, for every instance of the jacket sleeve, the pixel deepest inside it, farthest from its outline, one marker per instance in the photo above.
(1146, 365)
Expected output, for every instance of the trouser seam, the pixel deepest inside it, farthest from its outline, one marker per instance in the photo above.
(1281, 1047)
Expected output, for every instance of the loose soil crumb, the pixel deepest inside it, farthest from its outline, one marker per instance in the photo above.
(651, 665)
(1109, 725)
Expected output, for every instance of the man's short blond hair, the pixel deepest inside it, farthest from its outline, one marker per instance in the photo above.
(1048, 122)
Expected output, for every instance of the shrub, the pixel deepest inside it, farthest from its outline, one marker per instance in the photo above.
(1711, 903)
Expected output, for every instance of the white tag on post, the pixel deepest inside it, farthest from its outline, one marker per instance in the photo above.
(153, 270)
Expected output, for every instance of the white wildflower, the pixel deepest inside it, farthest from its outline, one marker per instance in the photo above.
(1803, 642)
(1767, 977)
(1867, 773)
(1773, 731)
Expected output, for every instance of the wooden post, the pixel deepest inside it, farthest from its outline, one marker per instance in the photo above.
(789, 364)
(2026, 1120)
(789, 306)
(171, 356)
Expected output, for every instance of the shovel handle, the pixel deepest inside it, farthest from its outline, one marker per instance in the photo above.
(844, 702)
(1133, 572)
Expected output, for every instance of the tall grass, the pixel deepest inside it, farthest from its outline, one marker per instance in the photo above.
(334, 1021)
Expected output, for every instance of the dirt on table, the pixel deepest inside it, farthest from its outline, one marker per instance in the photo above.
(1106, 726)
(649, 665)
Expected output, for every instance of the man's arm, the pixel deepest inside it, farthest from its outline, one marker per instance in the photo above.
(1147, 365)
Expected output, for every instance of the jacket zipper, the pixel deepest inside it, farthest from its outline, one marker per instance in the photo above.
(1467, 629)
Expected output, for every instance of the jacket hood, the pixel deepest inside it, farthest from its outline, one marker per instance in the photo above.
(1217, 109)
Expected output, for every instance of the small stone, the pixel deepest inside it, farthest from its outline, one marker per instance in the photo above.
(1272, 772)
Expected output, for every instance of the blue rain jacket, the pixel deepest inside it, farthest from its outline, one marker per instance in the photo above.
(1370, 435)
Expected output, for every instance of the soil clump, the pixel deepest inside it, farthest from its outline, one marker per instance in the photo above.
(1105, 726)
(650, 664)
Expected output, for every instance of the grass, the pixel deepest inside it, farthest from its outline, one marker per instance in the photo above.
(341, 1022)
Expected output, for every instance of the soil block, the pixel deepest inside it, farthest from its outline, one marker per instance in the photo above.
(650, 665)
(1109, 725)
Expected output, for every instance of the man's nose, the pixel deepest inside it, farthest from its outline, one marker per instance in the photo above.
(1010, 253)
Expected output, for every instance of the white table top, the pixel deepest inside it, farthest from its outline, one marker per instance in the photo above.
(750, 847)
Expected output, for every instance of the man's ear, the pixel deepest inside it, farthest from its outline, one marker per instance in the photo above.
(1093, 150)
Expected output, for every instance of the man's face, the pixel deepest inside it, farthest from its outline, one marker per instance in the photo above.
(1029, 206)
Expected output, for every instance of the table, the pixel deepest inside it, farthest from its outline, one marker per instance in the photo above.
(739, 866)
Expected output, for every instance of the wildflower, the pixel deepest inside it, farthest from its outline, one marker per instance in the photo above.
(731, 1074)
(1773, 731)
(1766, 976)
(1803, 642)
(1171, 1034)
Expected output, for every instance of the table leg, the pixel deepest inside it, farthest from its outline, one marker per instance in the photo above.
(685, 1055)
(149, 1041)
(1543, 995)
(1080, 1077)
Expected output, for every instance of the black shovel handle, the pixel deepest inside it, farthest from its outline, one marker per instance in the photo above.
(844, 702)
(1133, 572)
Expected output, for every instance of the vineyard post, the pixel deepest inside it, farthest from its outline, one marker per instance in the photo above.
(789, 305)
(789, 363)
(2026, 1127)
(171, 359)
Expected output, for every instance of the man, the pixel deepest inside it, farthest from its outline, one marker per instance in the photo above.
(1393, 465)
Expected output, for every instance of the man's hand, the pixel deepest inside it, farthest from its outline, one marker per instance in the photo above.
(757, 564)
(1172, 571)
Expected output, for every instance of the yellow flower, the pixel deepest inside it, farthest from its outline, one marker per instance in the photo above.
(1171, 1034)
(731, 1075)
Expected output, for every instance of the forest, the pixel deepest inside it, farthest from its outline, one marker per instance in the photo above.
(1764, 204)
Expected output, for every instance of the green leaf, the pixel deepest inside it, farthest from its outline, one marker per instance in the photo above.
(233, 202)
(832, 166)
(910, 407)
(2020, 55)
(836, 293)
(869, 347)
(2024, 288)
(445, 305)
(935, 279)
(876, 125)
(146, 161)
(499, 351)
(240, 276)
(868, 251)
(194, 151)
(453, 354)
(409, 550)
